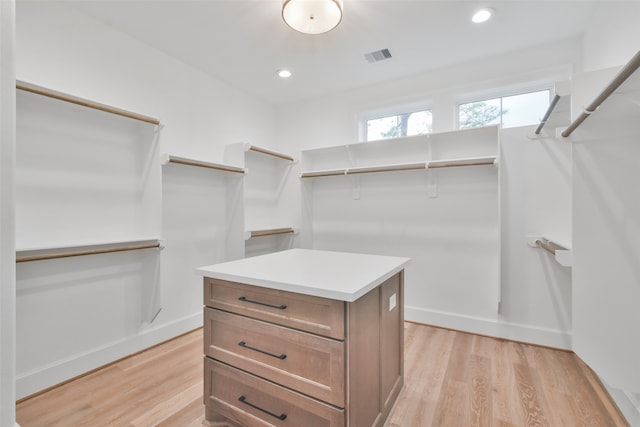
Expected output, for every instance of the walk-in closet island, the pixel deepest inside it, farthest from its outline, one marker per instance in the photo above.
(307, 336)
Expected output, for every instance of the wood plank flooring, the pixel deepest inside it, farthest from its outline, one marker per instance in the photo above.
(451, 379)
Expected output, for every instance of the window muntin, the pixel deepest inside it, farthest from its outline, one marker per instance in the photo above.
(399, 125)
(509, 111)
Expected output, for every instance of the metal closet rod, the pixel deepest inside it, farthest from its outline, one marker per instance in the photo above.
(544, 119)
(271, 153)
(83, 252)
(272, 232)
(28, 87)
(199, 163)
(620, 78)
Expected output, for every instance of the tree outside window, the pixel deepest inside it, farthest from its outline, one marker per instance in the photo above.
(399, 125)
(508, 111)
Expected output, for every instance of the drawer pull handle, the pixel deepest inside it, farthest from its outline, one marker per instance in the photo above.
(281, 417)
(279, 307)
(244, 344)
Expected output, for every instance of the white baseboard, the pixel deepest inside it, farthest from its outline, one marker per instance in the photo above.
(28, 383)
(494, 328)
(628, 403)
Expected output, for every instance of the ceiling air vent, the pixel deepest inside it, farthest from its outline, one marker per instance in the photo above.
(378, 55)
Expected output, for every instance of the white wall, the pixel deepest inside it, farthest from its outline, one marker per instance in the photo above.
(332, 120)
(612, 37)
(88, 311)
(7, 215)
(536, 202)
(606, 235)
(610, 41)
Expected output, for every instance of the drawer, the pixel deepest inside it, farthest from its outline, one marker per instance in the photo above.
(317, 315)
(308, 363)
(251, 401)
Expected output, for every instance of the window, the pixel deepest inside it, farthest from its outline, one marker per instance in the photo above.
(509, 111)
(398, 125)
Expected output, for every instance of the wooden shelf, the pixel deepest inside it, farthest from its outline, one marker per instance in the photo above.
(199, 163)
(39, 254)
(28, 87)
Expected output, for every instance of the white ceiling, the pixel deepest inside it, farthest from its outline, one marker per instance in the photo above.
(244, 42)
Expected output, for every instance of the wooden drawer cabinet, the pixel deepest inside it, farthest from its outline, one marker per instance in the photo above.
(311, 364)
(277, 358)
(317, 315)
(246, 400)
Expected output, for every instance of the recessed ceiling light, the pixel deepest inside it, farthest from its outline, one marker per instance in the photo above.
(482, 15)
(284, 74)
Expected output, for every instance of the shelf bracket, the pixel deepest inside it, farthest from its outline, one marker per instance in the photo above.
(432, 185)
(355, 191)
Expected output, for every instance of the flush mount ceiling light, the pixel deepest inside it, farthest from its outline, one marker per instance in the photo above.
(312, 16)
(482, 15)
(285, 74)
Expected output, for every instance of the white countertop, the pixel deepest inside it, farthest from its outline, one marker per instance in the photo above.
(337, 275)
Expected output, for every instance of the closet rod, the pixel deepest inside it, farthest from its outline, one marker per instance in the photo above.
(56, 255)
(548, 246)
(28, 87)
(620, 78)
(198, 163)
(480, 161)
(271, 153)
(544, 119)
(316, 174)
(461, 162)
(387, 168)
(272, 232)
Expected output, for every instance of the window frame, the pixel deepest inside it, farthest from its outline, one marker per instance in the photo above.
(380, 113)
(498, 93)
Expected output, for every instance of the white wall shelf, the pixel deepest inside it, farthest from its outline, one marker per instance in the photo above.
(446, 149)
(561, 253)
(168, 158)
(66, 251)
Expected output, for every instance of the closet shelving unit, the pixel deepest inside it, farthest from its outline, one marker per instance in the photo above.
(469, 147)
(378, 196)
(266, 220)
(60, 114)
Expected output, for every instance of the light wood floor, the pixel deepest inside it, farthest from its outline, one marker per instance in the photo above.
(451, 379)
